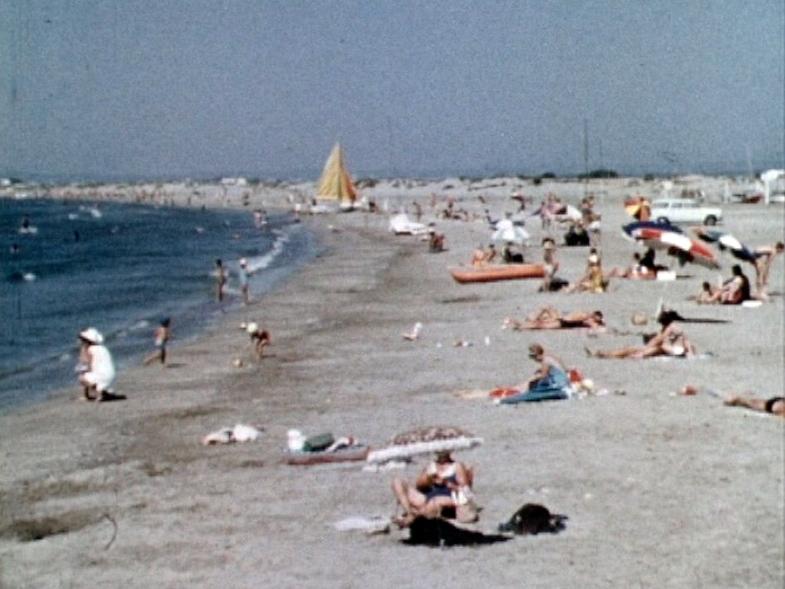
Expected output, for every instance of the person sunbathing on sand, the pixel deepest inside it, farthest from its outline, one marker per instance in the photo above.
(551, 318)
(734, 291)
(593, 280)
(435, 492)
(705, 295)
(773, 405)
(670, 341)
(550, 380)
(482, 257)
(636, 271)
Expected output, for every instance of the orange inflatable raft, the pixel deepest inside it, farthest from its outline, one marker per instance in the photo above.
(493, 273)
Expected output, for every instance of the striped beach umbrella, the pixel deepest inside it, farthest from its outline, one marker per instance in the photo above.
(677, 244)
(726, 242)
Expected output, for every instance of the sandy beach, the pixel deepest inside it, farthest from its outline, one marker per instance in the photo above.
(661, 490)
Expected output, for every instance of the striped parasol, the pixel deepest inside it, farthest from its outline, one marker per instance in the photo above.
(726, 242)
(676, 244)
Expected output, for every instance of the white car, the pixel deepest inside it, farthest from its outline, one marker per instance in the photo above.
(676, 210)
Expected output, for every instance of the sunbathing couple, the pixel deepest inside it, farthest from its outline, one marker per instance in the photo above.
(551, 318)
(439, 491)
(593, 279)
(670, 341)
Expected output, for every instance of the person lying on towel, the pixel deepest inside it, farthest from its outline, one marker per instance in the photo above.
(551, 318)
(670, 341)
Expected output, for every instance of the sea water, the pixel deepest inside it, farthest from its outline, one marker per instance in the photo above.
(121, 268)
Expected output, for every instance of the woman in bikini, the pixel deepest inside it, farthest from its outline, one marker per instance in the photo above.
(434, 491)
(670, 341)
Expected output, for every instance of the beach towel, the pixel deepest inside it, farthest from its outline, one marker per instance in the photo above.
(352, 453)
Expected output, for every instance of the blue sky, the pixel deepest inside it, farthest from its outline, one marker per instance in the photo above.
(170, 88)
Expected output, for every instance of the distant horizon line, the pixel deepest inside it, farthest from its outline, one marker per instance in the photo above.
(730, 169)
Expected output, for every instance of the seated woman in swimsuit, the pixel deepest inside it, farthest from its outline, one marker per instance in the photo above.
(434, 492)
(549, 383)
(773, 405)
(670, 341)
(734, 291)
(594, 280)
(550, 318)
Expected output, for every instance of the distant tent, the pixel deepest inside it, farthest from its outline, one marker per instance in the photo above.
(335, 182)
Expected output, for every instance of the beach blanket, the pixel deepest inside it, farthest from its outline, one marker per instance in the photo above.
(345, 454)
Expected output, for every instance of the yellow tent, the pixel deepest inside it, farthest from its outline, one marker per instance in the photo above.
(335, 182)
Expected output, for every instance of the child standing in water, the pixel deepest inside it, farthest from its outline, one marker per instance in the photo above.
(162, 335)
(221, 279)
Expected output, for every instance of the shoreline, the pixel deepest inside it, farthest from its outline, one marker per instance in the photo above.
(30, 377)
(660, 490)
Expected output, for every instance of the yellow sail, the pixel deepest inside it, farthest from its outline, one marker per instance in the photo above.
(335, 182)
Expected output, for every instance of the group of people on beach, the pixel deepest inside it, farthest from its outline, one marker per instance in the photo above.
(222, 278)
(435, 492)
(96, 368)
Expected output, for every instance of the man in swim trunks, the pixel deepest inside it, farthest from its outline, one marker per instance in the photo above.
(773, 405)
(435, 489)
(763, 258)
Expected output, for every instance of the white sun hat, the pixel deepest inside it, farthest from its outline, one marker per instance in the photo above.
(252, 328)
(92, 335)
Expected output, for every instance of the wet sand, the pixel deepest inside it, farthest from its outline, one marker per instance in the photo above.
(660, 490)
